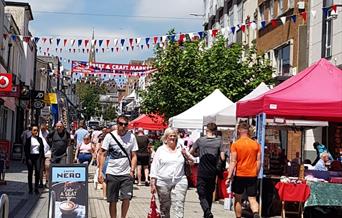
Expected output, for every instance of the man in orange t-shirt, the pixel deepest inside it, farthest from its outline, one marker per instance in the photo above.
(245, 158)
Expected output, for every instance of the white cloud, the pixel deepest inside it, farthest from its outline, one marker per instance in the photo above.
(53, 5)
(167, 8)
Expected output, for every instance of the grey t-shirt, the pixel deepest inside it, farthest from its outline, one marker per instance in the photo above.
(209, 153)
(118, 163)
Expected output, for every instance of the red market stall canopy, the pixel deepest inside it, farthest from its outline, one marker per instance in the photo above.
(148, 122)
(313, 94)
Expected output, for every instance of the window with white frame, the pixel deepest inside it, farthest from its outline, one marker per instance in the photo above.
(262, 12)
(282, 58)
(280, 7)
(271, 9)
(327, 31)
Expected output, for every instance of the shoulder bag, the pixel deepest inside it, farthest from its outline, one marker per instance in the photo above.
(122, 148)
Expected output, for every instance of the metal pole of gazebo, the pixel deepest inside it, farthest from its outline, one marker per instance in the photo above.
(261, 130)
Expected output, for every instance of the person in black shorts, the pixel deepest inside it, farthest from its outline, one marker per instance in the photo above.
(143, 156)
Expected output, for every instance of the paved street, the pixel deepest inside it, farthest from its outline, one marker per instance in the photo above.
(25, 205)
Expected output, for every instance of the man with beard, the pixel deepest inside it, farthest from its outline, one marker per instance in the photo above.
(59, 140)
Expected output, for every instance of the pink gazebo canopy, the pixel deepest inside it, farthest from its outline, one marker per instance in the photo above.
(313, 94)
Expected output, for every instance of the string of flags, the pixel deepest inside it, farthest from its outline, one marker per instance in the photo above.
(49, 45)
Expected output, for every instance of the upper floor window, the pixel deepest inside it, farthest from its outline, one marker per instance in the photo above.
(271, 9)
(280, 7)
(262, 12)
(327, 31)
(282, 58)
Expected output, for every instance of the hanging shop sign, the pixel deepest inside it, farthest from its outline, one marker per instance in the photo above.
(69, 191)
(15, 92)
(5, 82)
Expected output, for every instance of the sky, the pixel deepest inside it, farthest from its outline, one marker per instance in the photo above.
(110, 27)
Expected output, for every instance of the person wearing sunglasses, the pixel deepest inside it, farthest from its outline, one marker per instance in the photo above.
(34, 153)
(120, 147)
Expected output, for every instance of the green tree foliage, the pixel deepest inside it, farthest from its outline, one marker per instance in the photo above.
(110, 113)
(89, 97)
(189, 72)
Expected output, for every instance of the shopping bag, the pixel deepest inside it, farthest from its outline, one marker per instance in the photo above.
(154, 213)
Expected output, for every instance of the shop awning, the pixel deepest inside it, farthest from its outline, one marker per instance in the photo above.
(148, 122)
(313, 94)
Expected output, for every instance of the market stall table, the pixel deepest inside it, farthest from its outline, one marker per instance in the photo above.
(325, 200)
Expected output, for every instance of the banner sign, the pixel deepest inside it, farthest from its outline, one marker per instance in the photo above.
(5, 82)
(261, 131)
(15, 92)
(69, 190)
(86, 67)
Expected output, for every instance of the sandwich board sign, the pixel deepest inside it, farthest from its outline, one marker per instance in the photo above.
(68, 191)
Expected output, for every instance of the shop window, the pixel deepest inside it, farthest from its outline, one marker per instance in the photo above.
(282, 56)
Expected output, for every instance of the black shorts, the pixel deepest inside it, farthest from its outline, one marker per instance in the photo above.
(143, 160)
(119, 184)
(242, 184)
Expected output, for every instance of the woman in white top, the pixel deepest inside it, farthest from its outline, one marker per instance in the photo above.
(84, 152)
(167, 175)
(34, 153)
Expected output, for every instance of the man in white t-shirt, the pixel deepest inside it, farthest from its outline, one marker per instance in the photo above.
(121, 165)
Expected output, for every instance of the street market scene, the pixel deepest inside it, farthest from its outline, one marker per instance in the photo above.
(159, 109)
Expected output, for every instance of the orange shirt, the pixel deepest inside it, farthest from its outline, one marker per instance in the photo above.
(247, 151)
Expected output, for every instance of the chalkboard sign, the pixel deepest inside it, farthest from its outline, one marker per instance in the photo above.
(69, 184)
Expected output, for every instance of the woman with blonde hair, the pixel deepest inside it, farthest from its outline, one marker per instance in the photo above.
(167, 175)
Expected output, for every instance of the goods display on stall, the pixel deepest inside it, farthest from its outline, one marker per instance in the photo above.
(313, 94)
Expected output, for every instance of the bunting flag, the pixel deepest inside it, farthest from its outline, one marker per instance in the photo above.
(147, 41)
(58, 41)
(303, 14)
(27, 39)
(80, 42)
(201, 34)
(232, 29)
(51, 40)
(283, 20)
(115, 42)
(73, 42)
(294, 18)
(313, 13)
(65, 42)
(122, 42)
(107, 42)
(131, 42)
(100, 42)
(44, 40)
(243, 28)
(334, 8)
(14, 37)
(5, 37)
(86, 41)
(137, 41)
(274, 23)
(155, 40)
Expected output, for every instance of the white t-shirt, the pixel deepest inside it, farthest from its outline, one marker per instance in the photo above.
(167, 166)
(34, 146)
(118, 163)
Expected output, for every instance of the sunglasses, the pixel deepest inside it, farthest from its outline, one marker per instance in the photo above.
(122, 124)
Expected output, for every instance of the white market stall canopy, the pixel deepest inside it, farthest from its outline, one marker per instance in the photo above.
(227, 116)
(193, 117)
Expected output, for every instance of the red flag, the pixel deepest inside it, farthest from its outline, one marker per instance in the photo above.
(303, 15)
(103, 50)
(274, 23)
(65, 42)
(87, 50)
(74, 50)
(243, 28)
(155, 39)
(27, 39)
(107, 42)
(214, 33)
(5, 36)
(44, 40)
(117, 49)
(334, 7)
(86, 41)
(131, 41)
(181, 38)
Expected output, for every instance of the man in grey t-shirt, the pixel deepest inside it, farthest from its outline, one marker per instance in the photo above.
(121, 166)
(210, 149)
